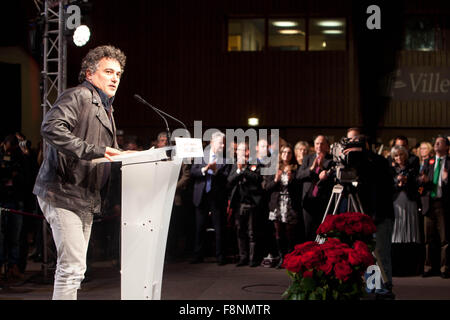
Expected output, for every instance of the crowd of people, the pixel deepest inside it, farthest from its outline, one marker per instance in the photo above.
(258, 218)
(238, 215)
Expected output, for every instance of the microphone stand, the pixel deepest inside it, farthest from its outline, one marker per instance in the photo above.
(161, 114)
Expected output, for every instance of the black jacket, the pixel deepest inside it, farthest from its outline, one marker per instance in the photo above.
(76, 130)
(309, 179)
(218, 182)
(274, 188)
(428, 169)
(246, 186)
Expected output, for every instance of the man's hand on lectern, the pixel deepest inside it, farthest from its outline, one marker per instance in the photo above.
(110, 152)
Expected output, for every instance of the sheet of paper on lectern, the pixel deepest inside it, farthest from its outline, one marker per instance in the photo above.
(188, 148)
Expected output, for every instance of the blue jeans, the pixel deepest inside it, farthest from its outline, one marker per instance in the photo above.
(10, 229)
(71, 232)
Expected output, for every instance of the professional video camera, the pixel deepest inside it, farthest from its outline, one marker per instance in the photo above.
(346, 163)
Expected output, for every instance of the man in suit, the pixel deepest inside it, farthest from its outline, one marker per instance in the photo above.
(317, 185)
(436, 205)
(210, 196)
(245, 181)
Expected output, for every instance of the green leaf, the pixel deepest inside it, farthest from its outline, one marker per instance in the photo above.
(308, 284)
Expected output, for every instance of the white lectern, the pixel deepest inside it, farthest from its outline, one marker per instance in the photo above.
(149, 180)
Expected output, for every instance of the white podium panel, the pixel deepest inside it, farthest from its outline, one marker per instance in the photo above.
(148, 190)
(149, 181)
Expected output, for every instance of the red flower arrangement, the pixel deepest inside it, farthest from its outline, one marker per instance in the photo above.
(334, 269)
(348, 227)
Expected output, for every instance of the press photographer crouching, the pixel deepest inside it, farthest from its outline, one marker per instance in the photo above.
(366, 176)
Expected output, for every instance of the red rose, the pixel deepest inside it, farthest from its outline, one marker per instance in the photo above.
(304, 247)
(311, 258)
(308, 274)
(340, 224)
(292, 264)
(342, 271)
(334, 255)
(364, 253)
(354, 257)
(431, 161)
(358, 227)
(326, 267)
(326, 226)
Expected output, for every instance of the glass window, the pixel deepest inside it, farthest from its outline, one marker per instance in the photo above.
(246, 34)
(287, 34)
(423, 34)
(327, 34)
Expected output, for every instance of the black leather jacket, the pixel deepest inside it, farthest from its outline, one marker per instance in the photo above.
(76, 130)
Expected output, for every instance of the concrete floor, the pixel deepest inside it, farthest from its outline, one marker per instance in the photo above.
(205, 281)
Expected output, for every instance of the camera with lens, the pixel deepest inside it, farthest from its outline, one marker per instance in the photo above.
(347, 154)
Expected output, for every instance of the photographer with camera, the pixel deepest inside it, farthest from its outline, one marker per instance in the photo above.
(375, 189)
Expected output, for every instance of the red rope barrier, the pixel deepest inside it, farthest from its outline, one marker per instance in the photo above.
(42, 217)
(22, 213)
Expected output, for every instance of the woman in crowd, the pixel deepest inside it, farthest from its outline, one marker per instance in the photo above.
(425, 152)
(406, 232)
(284, 203)
(301, 149)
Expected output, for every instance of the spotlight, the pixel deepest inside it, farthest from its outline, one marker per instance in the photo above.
(81, 35)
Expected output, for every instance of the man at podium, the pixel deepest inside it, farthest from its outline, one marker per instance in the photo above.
(77, 129)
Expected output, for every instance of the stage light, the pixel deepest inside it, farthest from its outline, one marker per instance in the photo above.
(285, 24)
(253, 122)
(81, 35)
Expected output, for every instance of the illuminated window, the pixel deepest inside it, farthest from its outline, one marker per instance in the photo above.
(287, 34)
(426, 33)
(327, 34)
(246, 34)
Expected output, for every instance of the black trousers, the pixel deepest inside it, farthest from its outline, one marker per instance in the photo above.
(217, 210)
(436, 225)
(245, 222)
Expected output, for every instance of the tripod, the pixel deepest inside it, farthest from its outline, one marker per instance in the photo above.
(353, 205)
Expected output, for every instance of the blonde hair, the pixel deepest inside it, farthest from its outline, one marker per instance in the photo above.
(397, 150)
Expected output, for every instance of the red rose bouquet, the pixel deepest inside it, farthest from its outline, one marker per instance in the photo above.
(334, 269)
(348, 227)
(329, 271)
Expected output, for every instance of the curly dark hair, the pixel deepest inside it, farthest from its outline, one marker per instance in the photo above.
(93, 57)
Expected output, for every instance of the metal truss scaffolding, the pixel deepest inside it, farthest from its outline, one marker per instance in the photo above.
(55, 53)
(54, 81)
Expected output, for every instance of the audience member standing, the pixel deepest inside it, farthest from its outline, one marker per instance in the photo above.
(245, 182)
(436, 206)
(284, 202)
(317, 186)
(301, 149)
(413, 160)
(425, 153)
(210, 196)
(12, 196)
(406, 230)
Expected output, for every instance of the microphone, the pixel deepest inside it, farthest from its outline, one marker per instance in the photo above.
(141, 100)
(160, 112)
